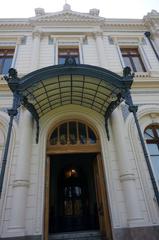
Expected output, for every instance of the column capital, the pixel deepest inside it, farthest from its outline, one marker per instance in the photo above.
(98, 34)
(19, 40)
(37, 32)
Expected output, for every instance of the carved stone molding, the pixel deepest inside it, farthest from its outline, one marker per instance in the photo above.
(20, 183)
(37, 32)
(127, 177)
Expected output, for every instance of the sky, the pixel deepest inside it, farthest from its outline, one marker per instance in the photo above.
(108, 8)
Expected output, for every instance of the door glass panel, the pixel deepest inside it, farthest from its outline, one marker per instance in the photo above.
(82, 133)
(63, 134)
(72, 133)
(72, 193)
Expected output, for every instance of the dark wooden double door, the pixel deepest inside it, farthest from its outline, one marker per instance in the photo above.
(73, 204)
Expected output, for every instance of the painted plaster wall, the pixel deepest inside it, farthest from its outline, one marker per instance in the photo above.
(34, 209)
(35, 199)
(24, 54)
(90, 52)
(47, 52)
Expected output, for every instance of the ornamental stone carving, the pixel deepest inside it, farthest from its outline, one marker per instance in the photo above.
(39, 11)
(67, 7)
(21, 183)
(94, 12)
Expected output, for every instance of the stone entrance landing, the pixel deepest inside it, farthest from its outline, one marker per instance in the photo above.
(82, 235)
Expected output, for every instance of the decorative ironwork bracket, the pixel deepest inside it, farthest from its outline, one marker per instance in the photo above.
(34, 113)
(70, 60)
(14, 84)
(109, 111)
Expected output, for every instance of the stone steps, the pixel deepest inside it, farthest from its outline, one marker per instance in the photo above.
(81, 235)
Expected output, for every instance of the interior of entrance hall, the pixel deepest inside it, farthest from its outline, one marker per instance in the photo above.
(72, 197)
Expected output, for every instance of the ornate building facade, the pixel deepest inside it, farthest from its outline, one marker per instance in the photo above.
(75, 166)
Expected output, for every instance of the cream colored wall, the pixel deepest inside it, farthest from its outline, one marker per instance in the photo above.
(24, 55)
(147, 114)
(90, 52)
(46, 53)
(112, 55)
(6, 197)
(118, 212)
(35, 199)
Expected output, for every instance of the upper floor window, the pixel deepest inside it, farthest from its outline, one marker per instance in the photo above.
(65, 52)
(6, 57)
(133, 59)
(151, 134)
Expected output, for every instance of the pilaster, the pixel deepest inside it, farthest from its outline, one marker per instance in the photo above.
(100, 49)
(35, 50)
(127, 176)
(21, 180)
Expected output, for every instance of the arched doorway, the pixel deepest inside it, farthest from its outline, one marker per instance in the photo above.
(75, 193)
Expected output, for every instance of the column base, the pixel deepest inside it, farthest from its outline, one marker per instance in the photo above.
(137, 233)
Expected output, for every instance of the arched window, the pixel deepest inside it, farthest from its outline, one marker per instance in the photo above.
(73, 132)
(73, 136)
(151, 135)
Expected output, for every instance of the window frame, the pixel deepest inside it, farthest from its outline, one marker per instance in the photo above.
(68, 49)
(131, 56)
(6, 55)
(73, 148)
(154, 140)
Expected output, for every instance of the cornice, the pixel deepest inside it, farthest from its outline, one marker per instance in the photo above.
(151, 20)
(146, 83)
(71, 18)
(66, 16)
(14, 22)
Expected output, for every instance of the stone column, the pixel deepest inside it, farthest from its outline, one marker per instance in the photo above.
(127, 176)
(35, 50)
(21, 180)
(100, 49)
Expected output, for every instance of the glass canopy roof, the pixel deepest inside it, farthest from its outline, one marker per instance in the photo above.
(89, 86)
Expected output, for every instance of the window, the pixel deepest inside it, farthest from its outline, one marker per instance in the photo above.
(151, 134)
(6, 57)
(72, 133)
(65, 52)
(132, 59)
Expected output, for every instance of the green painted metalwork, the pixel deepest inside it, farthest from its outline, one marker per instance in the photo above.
(86, 85)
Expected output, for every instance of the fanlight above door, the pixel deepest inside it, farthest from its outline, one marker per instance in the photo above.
(73, 135)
